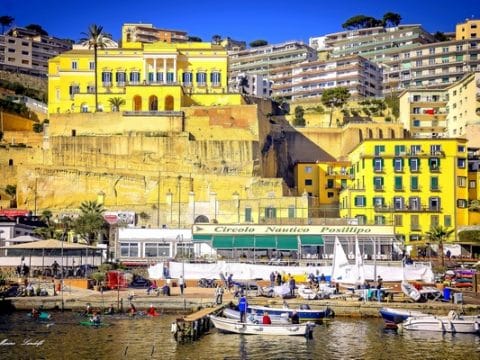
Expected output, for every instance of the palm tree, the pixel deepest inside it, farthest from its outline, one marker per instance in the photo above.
(96, 39)
(90, 224)
(116, 102)
(439, 235)
(11, 190)
(6, 21)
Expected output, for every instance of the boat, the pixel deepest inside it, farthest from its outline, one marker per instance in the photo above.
(304, 312)
(42, 316)
(453, 323)
(409, 290)
(307, 293)
(396, 316)
(254, 318)
(236, 327)
(93, 324)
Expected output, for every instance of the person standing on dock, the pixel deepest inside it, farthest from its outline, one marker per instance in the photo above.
(219, 294)
(242, 307)
(181, 283)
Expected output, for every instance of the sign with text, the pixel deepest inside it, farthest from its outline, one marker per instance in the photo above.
(216, 229)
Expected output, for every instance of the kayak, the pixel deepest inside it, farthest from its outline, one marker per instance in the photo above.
(42, 316)
(92, 324)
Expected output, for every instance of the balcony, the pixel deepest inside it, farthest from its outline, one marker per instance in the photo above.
(406, 208)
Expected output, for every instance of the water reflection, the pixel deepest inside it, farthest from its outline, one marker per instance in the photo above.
(147, 338)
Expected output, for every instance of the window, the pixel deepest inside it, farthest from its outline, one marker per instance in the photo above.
(414, 223)
(159, 77)
(398, 181)
(472, 184)
(379, 220)
(462, 203)
(135, 77)
(414, 203)
(398, 203)
(434, 183)
(121, 78)
(434, 203)
(379, 149)
(378, 183)
(378, 164)
(461, 163)
(74, 65)
(248, 214)
(360, 201)
(447, 220)
(434, 164)
(378, 202)
(170, 77)
(202, 79)
(414, 183)
(330, 184)
(308, 182)
(361, 219)
(91, 65)
(399, 150)
(215, 78)
(398, 220)
(398, 164)
(415, 149)
(461, 181)
(157, 250)
(187, 78)
(416, 123)
(291, 212)
(128, 249)
(414, 164)
(185, 250)
(106, 78)
(308, 169)
(330, 195)
(73, 89)
(434, 221)
(270, 213)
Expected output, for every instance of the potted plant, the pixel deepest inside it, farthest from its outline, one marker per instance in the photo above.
(99, 278)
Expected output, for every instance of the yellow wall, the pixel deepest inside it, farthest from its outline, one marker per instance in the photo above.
(466, 29)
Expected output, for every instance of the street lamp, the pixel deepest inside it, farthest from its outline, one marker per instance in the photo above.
(179, 198)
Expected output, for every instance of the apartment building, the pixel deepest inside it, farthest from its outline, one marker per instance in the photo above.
(263, 60)
(470, 29)
(412, 184)
(451, 111)
(254, 85)
(309, 79)
(377, 44)
(25, 51)
(147, 33)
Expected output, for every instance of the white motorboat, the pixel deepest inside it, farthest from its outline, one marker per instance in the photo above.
(453, 323)
(254, 318)
(307, 293)
(236, 327)
(410, 290)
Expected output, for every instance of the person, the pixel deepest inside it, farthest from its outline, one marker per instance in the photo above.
(132, 310)
(291, 284)
(266, 319)
(322, 278)
(30, 290)
(151, 311)
(295, 318)
(95, 318)
(285, 304)
(55, 268)
(449, 254)
(35, 314)
(242, 307)
(279, 279)
(218, 294)
(223, 279)
(181, 283)
(230, 281)
(379, 287)
(153, 286)
(272, 279)
(110, 310)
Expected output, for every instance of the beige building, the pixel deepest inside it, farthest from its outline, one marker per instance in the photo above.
(25, 51)
(470, 29)
(448, 112)
(147, 33)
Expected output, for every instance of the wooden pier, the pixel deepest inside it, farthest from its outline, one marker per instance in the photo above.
(191, 327)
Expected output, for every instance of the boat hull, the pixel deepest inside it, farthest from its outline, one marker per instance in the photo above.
(304, 315)
(396, 316)
(236, 327)
(443, 324)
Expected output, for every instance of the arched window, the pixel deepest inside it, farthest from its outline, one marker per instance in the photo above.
(84, 108)
(153, 103)
(370, 134)
(201, 219)
(137, 103)
(169, 103)
(380, 133)
(360, 135)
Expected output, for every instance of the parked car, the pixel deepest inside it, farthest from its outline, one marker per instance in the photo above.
(140, 282)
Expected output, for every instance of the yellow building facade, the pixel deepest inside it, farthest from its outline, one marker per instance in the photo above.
(148, 77)
(467, 30)
(412, 184)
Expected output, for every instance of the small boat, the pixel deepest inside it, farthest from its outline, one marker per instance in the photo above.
(452, 323)
(307, 293)
(94, 324)
(254, 318)
(396, 316)
(304, 312)
(233, 326)
(42, 316)
(411, 291)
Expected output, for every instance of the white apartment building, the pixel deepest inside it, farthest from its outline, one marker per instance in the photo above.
(254, 85)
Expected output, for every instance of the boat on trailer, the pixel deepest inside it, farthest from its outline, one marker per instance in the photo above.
(236, 327)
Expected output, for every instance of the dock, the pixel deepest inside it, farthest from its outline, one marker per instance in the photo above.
(191, 327)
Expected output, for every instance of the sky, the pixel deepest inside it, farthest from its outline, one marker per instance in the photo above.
(273, 20)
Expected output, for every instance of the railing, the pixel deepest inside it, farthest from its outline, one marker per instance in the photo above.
(153, 113)
(406, 208)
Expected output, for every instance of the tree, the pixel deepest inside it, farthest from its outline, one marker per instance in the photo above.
(335, 97)
(194, 39)
(440, 36)
(11, 191)
(216, 39)
(439, 235)
(257, 43)
(90, 224)
(96, 39)
(243, 84)
(6, 21)
(37, 28)
(299, 120)
(392, 19)
(116, 102)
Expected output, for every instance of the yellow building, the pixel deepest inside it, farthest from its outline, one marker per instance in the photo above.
(148, 77)
(470, 29)
(413, 184)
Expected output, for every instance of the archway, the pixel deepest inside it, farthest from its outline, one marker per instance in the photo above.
(137, 103)
(392, 134)
(380, 133)
(169, 103)
(360, 135)
(153, 103)
(370, 134)
(201, 219)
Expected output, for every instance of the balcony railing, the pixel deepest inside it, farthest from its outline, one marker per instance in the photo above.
(406, 208)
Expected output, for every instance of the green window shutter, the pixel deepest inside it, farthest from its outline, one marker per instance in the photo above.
(398, 182)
